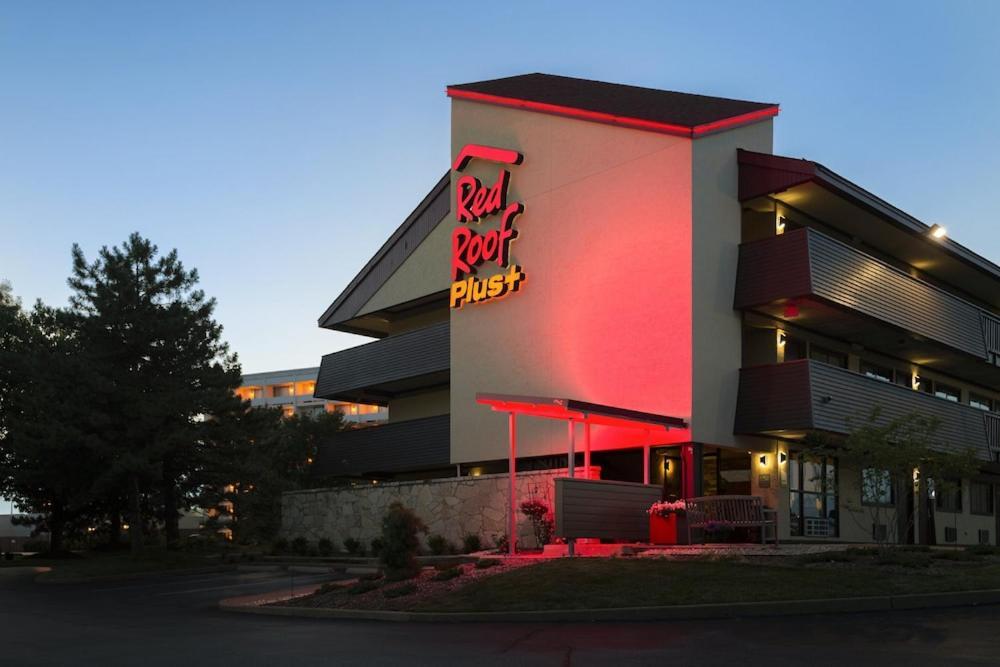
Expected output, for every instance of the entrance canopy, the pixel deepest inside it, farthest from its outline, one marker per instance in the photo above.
(579, 411)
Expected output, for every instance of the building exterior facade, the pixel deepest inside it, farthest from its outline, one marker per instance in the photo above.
(644, 249)
(292, 392)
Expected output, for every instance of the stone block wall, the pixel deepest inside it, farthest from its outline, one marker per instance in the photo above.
(453, 507)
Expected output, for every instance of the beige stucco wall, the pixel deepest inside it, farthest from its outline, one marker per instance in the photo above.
(424, 272)
(716, 235)
(415, 406)
(604, 313)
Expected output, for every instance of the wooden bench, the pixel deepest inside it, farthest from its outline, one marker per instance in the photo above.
(735, 511)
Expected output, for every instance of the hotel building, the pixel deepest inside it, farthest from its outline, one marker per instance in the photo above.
(639, 264)
(292, 392)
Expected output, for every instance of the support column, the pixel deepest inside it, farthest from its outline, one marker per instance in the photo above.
(645, 458)
(691, 470)
(512, 470)
(586, 449)
(571, 432)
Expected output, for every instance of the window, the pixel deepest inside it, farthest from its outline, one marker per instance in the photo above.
(255, 393)
(282, 390)
(981, 498)
(980, 402)
(947, 392)
(876, 372)
(948, 496)
(795, 348)
(826, 356)
(812, 488)
(876, 487)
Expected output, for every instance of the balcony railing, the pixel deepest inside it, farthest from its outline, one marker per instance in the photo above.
(375, 372)
(809, 279)
(798, 397)
(396, 446)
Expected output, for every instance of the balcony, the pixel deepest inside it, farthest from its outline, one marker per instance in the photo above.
(375, 372)
(842, 292)
(792, 399)
(377, 450)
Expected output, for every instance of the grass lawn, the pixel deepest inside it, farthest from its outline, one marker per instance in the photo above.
(111, 565)
(602, 582)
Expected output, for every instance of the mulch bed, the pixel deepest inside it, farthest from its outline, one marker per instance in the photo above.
(426, 588)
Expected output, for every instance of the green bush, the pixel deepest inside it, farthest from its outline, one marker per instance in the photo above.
(400, 591)
(440, 546)
(484, 563)
(354, 547)
(362, 587)
(300, 546)
(448, 574)
(955, 555)
(376, 547)
(982, 550)
(903, 558)
(325, 547)
(471, 543)
(399, 538)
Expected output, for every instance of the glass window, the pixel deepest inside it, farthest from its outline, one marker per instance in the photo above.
(812, 488)
(282, 390)
(876, 487)
(876, 372)
(948, 496)
(981, 498)
(826, 356)
(980, 402)
(947, 392)
(795, 348)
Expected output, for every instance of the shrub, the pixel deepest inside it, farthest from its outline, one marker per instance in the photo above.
(400, 591)
(828, 557)
(40, 546)
(484, 563)
(471, 543)
(440, 546)
(362, 587)
(904, 558)
(399, 537)
(448, 574)
(300, 546)
(401, 575)
(325, 547)
(981, 550)
(376, 547)
(500, 542)
(354, 547)
(955, 555)
(541, 522)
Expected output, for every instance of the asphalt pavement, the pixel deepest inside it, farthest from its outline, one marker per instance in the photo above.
(174, 620)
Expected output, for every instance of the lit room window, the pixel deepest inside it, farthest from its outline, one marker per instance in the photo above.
(826, 356)
(812, 489)
(876, 487)
(947, 392)
(980, 402)
(876, 372)
(280, 390)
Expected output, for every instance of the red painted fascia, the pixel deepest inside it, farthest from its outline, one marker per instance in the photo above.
(624, 121)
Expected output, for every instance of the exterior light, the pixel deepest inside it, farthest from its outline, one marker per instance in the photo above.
(666, 465)
(916, 381)
(782, 457)
(779, 225)
(782, 338)
(938, 232)
(791, 310)
(309, 461)
(763, 459)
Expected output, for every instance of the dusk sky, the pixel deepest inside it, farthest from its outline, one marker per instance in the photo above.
(277, 145)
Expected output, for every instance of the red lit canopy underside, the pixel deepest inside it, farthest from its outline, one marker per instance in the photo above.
(580, 411)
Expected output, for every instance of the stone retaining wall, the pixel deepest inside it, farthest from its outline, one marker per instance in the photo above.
(452, 507)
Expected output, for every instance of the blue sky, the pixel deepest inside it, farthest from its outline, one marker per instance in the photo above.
(276, 145)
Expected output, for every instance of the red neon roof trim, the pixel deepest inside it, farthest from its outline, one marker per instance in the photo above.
(624, 121)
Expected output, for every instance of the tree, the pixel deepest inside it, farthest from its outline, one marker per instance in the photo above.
(254, 456)
(162, 358)
(888, 453)
(50, 444)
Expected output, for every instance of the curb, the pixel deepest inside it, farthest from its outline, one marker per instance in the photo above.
(674, 612)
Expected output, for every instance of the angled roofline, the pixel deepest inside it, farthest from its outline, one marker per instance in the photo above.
(693, 132)
(332, 314)
(778, 173)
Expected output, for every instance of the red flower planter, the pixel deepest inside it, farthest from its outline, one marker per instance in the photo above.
(669, 529)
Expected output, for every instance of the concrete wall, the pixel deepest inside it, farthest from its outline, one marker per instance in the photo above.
(452, 507)
(716, 234)
(604, 314)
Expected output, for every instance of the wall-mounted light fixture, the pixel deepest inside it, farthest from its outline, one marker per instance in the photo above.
(666, 465)
(763, 459)
(791, 310)
(782, 457)
(779, 225)
(916, 381)
(937, 231)
(782, 338)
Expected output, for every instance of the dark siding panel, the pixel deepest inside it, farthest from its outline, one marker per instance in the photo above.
(407, 355)
(772, 269)
(417, 226)
(855, 280)
(774, 397)
(991, 333)
(392, 447)
(603, 509)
